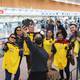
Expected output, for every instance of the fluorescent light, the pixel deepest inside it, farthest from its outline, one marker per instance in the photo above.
(67, 1)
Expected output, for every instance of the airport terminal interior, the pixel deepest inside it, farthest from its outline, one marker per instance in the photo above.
(40, 12)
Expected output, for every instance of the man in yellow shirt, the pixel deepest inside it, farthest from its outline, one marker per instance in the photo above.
(28, 23)
(75, 35)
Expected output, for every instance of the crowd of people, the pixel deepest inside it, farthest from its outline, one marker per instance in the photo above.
(45, 54)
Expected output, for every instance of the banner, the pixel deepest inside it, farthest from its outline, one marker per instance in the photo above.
(35, 12)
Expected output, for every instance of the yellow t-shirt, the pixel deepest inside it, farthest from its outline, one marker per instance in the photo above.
(47, 45)
(60, 59)
(11, 59)
(25, 48)
(76, 48)
(31, 36)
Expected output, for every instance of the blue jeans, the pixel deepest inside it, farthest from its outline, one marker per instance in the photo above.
(78, 64)
(16, 76)
(8, 75)
(78, 68)
(67, 71)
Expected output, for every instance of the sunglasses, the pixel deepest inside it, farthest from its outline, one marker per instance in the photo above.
(18, 29)
(13, 37)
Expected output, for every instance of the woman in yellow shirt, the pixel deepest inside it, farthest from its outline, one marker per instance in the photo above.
(49, 39)
(59, 52)
(47, 44)
(11, 58)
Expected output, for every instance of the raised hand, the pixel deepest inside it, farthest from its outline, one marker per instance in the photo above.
(25, 30)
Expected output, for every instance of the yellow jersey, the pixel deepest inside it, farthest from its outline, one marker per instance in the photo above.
(76, 48)
(31, 36)
(60, 57)
(48, 44)
(11, 59)
(25, 47)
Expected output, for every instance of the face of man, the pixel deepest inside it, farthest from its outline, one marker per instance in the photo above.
(73, 29)
(31, 28)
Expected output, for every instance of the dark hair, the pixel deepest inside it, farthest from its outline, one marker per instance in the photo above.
(36, 34)
(63, 31)
(11, 35)
(15, 33)
(74, 25)
(58, 21)
(59, 33)
(31, 22)
(27, 22)
(38, 40)
(5, 48)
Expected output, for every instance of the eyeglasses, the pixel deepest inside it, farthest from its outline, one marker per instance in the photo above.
(18, 29)
(13, 37)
